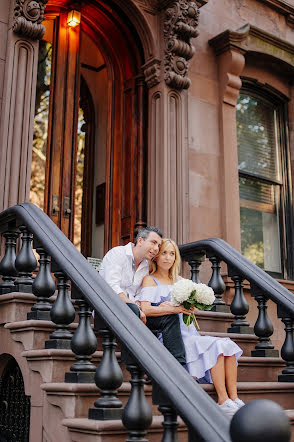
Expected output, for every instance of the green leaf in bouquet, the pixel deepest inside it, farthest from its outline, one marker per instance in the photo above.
(189, 319)
(191, 297)
(203, 306)
(187, 304)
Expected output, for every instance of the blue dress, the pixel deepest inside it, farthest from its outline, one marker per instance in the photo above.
(201, 351)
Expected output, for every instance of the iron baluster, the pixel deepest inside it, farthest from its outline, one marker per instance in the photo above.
(195, 262)
(287, 350)
(7, 265)
(137, 415)
(25, 262)
(83, 344)
(43, 288)
(218, 286)
(170, 423)
(108, 378)
(263, 327)
(62, 314)
(239, 308)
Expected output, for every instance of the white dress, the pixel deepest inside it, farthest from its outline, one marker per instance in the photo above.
(201, 351)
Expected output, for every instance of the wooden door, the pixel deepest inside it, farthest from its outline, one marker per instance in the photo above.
(125, 202)
(61, 152)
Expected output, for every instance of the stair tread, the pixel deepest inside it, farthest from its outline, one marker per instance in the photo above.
(240, 336)
(85, 423)
(275, 386)
(60, 387)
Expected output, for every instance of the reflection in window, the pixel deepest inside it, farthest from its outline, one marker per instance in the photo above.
(38, 168)
(79, 180)
(259, 182)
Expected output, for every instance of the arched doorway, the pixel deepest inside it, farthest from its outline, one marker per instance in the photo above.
(95, 94)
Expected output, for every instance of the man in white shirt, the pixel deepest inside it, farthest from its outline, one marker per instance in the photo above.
(124, 268)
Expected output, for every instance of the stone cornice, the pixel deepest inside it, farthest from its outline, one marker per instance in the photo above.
(162, 4)
(250, 38)
(154, 6)
(282, 7)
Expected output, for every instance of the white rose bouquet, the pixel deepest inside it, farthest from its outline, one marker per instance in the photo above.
(189, 294)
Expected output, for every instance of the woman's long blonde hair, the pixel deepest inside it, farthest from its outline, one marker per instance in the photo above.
(174, 270)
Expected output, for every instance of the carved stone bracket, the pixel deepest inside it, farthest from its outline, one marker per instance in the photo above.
(180, 25)
(28, 17)
(152, 72)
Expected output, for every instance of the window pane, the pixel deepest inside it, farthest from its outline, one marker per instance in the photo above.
(38, 168)
(260, 236)
(79, 180)
(257, 137)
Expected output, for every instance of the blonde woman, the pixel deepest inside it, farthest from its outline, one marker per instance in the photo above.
(210, 359)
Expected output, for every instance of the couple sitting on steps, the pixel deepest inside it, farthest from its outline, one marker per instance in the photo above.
(143, 275)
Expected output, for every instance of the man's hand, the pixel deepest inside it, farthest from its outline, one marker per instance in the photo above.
(143, 317)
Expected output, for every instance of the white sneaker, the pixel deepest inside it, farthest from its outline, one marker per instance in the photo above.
(239, 403)
(229, 407)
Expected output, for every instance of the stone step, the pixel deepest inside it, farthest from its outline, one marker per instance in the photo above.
(280, 392)
(252, 369)
(75, 399)
(216, 321)
(52, 364)
(246, 341)
(85, 430)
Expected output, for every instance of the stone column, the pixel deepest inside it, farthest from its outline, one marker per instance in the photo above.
(168, 195)
(231, 62)
(18, 105)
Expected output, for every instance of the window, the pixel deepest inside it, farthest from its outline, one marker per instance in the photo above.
(263, 181)
(39, 151)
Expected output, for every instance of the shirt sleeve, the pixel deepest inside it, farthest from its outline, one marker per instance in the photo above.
(112, 267)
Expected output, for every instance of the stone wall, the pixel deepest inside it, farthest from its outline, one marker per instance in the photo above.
(213, 186)
(4, 16)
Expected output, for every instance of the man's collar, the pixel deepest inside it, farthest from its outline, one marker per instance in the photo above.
(129, 249)
(129, 252)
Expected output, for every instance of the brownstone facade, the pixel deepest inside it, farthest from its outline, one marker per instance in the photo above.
(171, 119)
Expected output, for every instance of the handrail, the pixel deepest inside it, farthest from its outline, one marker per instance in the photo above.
(194, 405)
(255, 275)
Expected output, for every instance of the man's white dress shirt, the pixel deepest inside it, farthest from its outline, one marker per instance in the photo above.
(119, 270)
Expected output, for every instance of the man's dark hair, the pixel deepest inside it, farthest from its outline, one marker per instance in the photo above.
(144, 233)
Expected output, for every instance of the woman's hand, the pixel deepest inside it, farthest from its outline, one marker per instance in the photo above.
(177, 309)
(143, 317)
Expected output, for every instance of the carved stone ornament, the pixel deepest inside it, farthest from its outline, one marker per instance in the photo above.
(180, 25)
(28, 17)
(152, 72)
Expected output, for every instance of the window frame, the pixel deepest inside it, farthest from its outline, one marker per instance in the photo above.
(280, 102)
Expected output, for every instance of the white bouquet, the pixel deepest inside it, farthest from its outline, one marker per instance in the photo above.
(189, 294)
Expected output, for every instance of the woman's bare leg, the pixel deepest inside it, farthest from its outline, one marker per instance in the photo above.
(231, 376)
(218, 378)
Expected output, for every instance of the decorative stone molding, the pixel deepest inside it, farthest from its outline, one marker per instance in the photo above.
(28, 17)
(162, 4)
(180, 25)
(152, 72)
(283, 8)
(153, 6)
(252, 39)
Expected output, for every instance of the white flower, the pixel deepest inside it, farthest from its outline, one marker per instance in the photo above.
(182, 290)
(204, 294)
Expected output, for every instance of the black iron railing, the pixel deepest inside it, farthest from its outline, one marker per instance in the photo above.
(185, 397)
(182, 395)
(262, 287)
